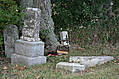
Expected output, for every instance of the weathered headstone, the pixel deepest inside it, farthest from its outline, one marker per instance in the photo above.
(64, 47)
(10, 36)
(72, 67)
(29, 50)
(89, 61)
(64, 38)
(30, 31)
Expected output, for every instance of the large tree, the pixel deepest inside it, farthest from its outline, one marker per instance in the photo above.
(47, 24)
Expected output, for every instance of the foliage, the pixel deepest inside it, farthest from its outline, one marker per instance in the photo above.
(9, 13)
(91, 21)
(1, 41)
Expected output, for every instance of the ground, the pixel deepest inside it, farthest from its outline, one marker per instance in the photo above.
(48, 70)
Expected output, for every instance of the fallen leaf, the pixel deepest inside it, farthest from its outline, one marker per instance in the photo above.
(117, 59)
(37, 68)
(85, 70)
(92, 69)
(38, 77)
(16, 66)
(116, 69)
(83, 49)
(76, 45)
(22, 68)
(16, 73)
(4, 67)
(12, 68)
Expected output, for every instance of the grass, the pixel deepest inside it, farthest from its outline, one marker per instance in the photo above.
(48, 70)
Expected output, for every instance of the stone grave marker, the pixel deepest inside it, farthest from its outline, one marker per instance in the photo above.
(89, 61)
(64, 47)
(72, 67)
(64, 38)
(10, 36)
(29, 50)
(80, 63)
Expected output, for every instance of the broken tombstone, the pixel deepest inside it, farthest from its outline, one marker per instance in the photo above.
(89, 61)
(72, 67)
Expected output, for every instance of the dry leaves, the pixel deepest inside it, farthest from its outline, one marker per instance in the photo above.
(116, 69)
(38, 77)
(4, 67)
(16, 73)
(36, 67)
(20, 68)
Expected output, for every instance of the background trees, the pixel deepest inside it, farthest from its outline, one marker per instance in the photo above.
(9, 13)
(87, 21)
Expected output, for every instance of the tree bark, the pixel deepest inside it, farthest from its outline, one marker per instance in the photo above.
(47, 25)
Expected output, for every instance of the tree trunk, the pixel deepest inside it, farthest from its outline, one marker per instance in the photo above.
(47, 25)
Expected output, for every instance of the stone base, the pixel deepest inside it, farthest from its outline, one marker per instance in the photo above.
(29, 49)
(29, 61)
(72, 67)
(90, 60)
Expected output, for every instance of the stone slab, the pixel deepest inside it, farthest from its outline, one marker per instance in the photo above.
(72, 67)
(90, 60)
(29, 61)
(10, 36)
(30, 49)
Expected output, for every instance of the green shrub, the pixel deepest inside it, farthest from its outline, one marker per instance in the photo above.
(87, 21)
(9, 13)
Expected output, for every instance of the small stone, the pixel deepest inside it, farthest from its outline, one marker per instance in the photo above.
(72, 67)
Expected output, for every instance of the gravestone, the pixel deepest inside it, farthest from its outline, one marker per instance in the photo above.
(89, 61)
(72, 67)
(30, 31)
(80, 63)
(10, 36)
(64, 38)
(29, 50)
